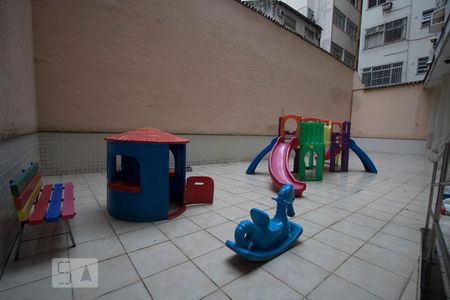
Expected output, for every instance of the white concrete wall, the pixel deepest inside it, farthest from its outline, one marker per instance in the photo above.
(68, 153)
(408, 51)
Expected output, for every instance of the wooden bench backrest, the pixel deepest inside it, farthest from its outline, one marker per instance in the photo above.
(25, 188)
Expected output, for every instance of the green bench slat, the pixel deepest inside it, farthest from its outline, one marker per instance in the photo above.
(18, 184)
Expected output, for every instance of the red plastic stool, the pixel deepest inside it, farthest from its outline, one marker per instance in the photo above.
(199, 190)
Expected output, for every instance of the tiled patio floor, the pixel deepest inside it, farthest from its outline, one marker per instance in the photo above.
(360, 240)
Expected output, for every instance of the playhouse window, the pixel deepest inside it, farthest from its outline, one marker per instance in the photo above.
(126, 174)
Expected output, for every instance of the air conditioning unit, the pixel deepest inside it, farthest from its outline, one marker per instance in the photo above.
(280, 13)
(437, 20)
(387, 6)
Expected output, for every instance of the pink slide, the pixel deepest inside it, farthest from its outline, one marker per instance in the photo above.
(279, 166)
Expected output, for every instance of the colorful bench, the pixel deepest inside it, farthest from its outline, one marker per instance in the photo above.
(52, 203)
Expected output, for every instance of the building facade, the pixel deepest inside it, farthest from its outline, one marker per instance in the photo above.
(395, 41)
(291, 18)
(339, 20)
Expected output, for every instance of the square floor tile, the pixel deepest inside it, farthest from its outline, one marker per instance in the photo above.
(309, 228)
(320, 254)
(184, 281)
(151, 260)
(378, 281)
(37, 290)
(319, 218)
(296, 272)
(217, 295)
(208, 219)
(134, 291)
(386, 259)
(112, 274)
(29, 269)
(410, 291)
(376, 214)
(141, 238)
(223, 265)
(198, 243)
(179, 227)
(354, 230)
(414, 235)
(365, 221)
(396, 244)
(259, 284)
(101, 249)
(223, 232)
(408, 222)
(232, 212)
(339, 240)
(339, 289)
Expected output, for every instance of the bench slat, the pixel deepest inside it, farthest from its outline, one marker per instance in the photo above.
(54, 207)
(22, 199)
(17, 185)
(23, 213)
(41, 206)
(68, 205)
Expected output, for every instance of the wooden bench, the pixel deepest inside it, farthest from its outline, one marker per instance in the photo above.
(36, 204)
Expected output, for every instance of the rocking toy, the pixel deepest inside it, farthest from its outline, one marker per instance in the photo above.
(265, 238)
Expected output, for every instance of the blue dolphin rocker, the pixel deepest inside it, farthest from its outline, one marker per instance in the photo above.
(266, 238)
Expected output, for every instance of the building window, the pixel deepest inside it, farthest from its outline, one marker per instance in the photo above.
(339, 19)
(373, 3)
(354, 3)
(336, 51)
(426, 17)
(289, 22)
(382, 75)
(395, 31)
(309, 35)
(422, 65)
(387, 33)
(351, 29)
(374, 37)
(344, 23)
(310, 14)
(349, 59)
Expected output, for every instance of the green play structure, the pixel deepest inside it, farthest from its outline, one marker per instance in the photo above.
(312, 151)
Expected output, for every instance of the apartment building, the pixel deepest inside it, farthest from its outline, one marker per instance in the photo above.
(395, 41)
(339, 20)
(288, 16)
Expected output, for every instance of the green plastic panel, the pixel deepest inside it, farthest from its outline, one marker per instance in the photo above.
(18, 184)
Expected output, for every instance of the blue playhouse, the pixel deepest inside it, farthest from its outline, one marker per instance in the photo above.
(141, 186)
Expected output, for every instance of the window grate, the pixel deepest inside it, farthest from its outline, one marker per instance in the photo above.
(382, 75)
(337, 51)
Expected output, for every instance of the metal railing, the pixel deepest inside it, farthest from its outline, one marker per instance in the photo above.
(433, 241)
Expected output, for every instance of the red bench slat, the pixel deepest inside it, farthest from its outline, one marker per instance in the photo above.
(41, 206)
(68, 205)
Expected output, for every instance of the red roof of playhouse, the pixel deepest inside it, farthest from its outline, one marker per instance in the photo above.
(147, 136)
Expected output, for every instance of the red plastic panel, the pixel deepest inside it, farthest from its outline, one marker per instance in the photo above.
(68, 211)
(40, 209)
(199, 190)
(126, 187)
(147, 136)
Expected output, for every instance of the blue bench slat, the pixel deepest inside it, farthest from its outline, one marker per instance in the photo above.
(54, 207)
